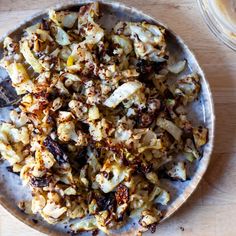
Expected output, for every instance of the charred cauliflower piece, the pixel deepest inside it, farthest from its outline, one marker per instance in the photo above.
(178, 171)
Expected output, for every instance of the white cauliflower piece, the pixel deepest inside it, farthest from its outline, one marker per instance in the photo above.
(163, 198)
(78, 108)
(30, 58)
(61, 87)
(64, 116)
(25, 172)
(38, 203)
(9, 154)
(61, 36)
(170, 127)
(56, 105)
(70, 191)
(122, 134)
(178, 171)
(85, 224)
(93, 113)
(150, 217)
(51, 212)
(124, 42)
(122, 92)
(18, 119)
(119, 173)
(148, 40)
(44, 157)
(63, 18)
(20, 78)
(66, 131)
(100, 129)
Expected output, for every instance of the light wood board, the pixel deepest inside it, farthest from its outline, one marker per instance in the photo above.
(211, 211)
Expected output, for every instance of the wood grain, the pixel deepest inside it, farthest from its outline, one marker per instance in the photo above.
(211, 211)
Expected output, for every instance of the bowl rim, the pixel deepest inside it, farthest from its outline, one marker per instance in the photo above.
(216, 26)
(207, 156)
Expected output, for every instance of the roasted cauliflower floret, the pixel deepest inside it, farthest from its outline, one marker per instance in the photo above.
(150, 217)
(188, 88)
(118, 173)
(51, 212)
(178, 171)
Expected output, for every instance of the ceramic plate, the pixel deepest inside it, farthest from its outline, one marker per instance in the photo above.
(201, 112)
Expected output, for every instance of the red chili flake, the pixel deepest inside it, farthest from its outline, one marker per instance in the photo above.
(122, 194)
(145, 120)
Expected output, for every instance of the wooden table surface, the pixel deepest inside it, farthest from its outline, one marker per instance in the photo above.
(211, 211)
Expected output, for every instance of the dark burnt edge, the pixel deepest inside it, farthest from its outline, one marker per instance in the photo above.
(10, 169)
(40, 182)
(56, 150)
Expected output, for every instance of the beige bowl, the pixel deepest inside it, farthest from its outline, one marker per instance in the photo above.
(201, 112)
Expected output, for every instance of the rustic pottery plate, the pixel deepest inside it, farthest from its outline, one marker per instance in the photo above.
(201, 112)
